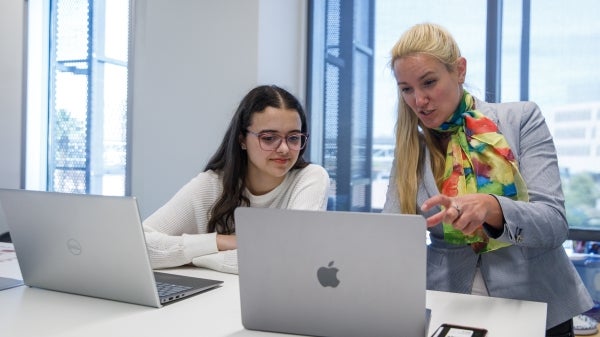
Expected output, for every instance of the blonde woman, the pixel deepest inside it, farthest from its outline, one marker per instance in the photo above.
(486, 178)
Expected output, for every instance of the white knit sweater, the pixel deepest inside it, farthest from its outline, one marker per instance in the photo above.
(176, 234)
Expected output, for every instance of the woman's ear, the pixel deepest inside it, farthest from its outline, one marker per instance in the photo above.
(461, 69)
(242, 141)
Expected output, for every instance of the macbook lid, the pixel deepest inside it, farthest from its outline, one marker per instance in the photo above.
(332, 273)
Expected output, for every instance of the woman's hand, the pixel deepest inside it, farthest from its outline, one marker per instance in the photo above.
(226, 242)
(466, 213)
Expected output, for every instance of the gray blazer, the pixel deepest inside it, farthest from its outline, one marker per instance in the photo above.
(535, 267)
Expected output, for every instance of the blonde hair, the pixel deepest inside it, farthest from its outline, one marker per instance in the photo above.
(435, 41)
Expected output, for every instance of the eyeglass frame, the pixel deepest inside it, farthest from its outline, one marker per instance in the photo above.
(260, 142)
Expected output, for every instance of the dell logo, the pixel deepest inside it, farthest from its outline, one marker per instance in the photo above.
(74, 247)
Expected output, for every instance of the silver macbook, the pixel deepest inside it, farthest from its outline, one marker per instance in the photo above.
(89, 245)
(332, 273)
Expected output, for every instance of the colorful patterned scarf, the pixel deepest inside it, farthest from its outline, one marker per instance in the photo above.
(478, 160)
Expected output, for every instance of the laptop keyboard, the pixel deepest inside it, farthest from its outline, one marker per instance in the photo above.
(168, 289)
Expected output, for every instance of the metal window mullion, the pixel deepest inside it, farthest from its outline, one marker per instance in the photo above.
(344, 140)
(50, 149)
(493, 50)
(370, 86)
(89, 112)
(315, 87)
(525, 36)
(96, 57)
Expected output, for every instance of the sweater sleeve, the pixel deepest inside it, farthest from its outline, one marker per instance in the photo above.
(177, 232)
(224, 261)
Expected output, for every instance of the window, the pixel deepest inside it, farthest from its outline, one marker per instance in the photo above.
(565, 82)
(538, 50)
(77, 96)
(342, 54)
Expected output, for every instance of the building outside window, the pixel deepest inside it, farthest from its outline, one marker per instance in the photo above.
(77, 96)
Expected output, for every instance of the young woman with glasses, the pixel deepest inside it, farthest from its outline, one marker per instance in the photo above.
(258, 164)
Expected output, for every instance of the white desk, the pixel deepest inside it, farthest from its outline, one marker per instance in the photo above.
(31, 312)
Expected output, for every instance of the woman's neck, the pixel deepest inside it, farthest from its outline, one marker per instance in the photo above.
(260, 185)
(442, 138)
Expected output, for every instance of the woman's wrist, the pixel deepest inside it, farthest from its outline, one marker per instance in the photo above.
(226, 242)
(495, 216)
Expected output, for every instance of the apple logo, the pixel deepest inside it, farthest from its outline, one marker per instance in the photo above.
(327, 276)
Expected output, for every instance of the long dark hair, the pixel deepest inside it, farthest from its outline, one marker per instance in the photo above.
(232, 162)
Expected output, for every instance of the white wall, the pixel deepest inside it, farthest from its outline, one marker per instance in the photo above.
(192, 63)
(11, 88)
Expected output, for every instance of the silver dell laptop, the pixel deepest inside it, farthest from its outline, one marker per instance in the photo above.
(89, 245)
(332, 273)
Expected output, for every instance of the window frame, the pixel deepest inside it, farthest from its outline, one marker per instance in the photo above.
(40, 113)
(493, 77)
(351, 183)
